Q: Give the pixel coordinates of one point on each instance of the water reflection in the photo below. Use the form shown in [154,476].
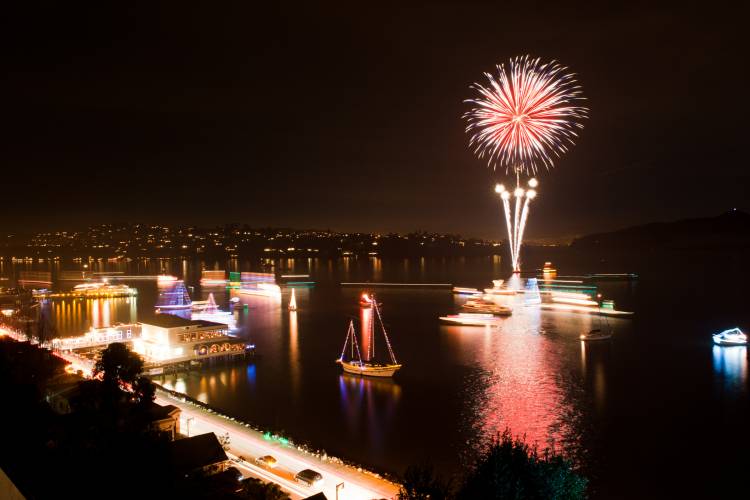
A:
[730,366]
[294,352]
[516,380]
[75,316]
[368,405]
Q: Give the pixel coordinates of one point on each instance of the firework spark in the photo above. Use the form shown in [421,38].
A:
[528,113]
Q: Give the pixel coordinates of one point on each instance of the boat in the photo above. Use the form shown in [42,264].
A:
[164,279]
[733,336]
[596,334]
[174,297]
[211,278]
[470,319]
[365,301]
[462,290]
[486,306]
[548,269]
[259,284]
[370,368]
[499,289]
[293,302]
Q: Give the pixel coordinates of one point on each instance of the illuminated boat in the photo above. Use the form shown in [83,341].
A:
[470,319]
[164,279]
[486,306]
[213,278]
[365,301]
[596,334]
[293,302]
[259,284]
[461,290]
[733,336]
[175,297]
[369,368]
[499,289]
[548,269]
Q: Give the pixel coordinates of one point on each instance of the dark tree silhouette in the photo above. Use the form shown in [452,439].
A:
[510,469]
[144,390]
[118,365]
[255,489]
[421,483]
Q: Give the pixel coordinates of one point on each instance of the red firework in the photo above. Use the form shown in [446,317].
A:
[526,114]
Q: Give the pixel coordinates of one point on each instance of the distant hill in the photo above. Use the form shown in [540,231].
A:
[730,230]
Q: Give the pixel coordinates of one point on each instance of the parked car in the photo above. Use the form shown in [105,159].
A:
[309,478]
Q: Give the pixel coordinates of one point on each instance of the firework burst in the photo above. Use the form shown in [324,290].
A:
[527,114]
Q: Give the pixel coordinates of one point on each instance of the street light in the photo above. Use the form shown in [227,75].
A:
[338,487]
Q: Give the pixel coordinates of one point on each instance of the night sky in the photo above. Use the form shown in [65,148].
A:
[348,117]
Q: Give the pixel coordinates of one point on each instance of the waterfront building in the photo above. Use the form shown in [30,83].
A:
[169,339]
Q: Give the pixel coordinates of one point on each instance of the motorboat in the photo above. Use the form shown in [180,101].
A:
[596,334]
[486,306]
[470,319]
[462,290]
[733,336]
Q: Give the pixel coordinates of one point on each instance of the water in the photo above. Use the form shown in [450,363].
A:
[640,414]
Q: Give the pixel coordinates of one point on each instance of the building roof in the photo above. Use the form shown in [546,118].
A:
[195,452]
[172,321]
[159,412]
[317,496]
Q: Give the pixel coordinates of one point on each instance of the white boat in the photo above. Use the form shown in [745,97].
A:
[370,368]
[462,290]
[470,319]
[596,334]
[733,336]
[293,302]
[486,306]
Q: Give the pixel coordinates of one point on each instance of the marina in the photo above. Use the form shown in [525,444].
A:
[292,370]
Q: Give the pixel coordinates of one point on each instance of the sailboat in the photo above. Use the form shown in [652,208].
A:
[356,364]
[174,297]
[293,302]
[598,333]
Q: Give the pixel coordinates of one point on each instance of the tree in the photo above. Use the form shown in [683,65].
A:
[224,441]
[118,365]
[510,469]
[421,483]
[144,390]
[255,489]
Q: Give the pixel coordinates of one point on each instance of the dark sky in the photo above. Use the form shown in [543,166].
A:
[349,116]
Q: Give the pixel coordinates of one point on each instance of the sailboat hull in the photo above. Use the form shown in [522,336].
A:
[368,369]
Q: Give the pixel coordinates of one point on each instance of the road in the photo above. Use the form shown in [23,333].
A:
[250,444]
